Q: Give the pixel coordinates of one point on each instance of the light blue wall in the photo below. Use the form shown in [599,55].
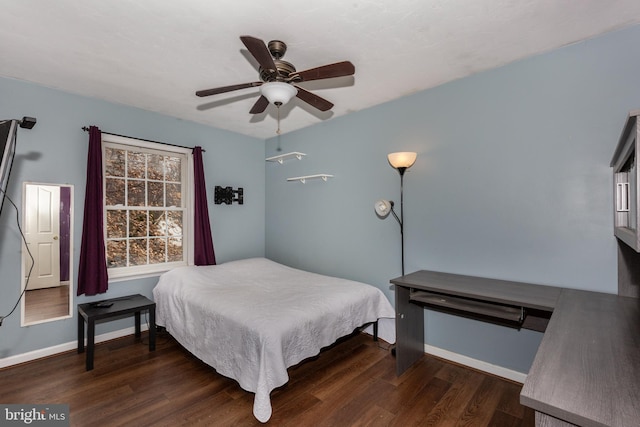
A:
[512,181]
[55,150]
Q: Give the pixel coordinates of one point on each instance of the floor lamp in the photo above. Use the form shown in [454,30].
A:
[401,161]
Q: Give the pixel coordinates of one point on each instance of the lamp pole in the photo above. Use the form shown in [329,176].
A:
[400,161]
[401,171]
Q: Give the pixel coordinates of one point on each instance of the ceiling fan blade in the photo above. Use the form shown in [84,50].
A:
[339,69]
[260,52]
[215,91]
[314,100]
[261,104]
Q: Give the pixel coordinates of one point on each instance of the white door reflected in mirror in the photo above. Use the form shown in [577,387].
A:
[41,230]
[47,256]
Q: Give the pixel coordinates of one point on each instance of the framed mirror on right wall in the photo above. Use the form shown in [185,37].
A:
[47,257]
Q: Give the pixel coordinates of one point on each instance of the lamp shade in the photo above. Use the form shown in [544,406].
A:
[278,93]
[383,208]
[402,159]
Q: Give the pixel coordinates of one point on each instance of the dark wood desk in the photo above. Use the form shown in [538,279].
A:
[92,313]
[516,304]
[587,369]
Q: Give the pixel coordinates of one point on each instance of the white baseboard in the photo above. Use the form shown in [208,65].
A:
[476,364]
[61,348]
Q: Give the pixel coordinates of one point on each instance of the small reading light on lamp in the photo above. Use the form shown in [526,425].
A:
[383,208]
[278,93]
[400,161]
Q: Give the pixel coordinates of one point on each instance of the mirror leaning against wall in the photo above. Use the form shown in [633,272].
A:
[47,268]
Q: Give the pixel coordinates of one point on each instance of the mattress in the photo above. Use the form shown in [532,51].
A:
[252,319]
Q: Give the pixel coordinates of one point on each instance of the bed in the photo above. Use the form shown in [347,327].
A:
[252,319]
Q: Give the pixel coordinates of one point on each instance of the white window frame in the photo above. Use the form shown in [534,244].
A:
[127,273]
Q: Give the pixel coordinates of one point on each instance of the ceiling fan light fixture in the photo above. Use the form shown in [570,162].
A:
[278,93]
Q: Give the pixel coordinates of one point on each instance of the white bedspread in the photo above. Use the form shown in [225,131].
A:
[252,319]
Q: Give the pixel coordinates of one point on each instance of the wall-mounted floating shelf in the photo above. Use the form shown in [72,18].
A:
[282,157]
[303,179]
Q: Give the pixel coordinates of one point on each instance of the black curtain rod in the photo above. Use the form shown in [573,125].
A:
[86,129]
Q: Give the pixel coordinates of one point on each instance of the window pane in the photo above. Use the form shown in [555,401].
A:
[114,162]
[174,197]
[156,193]
[116,253]
[157,251]
[144,207]
[136,193]
[174,168]
[174,223]
[116,224]
[157,223]
[174,249]
[114,192]
[138,252]
[155,167]
[136,164]
[137,223]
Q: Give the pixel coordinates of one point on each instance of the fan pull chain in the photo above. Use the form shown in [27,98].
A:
[278,130]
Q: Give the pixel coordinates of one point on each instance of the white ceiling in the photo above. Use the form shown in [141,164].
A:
[154,54]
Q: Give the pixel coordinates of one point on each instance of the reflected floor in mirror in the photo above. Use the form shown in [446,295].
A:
[46,303]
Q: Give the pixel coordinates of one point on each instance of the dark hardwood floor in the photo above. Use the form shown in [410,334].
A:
[353,383]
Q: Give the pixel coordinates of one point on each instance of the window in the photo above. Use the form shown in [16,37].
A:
[147,210]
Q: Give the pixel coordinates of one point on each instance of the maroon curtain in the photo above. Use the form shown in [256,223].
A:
[203,243]
[65,232]
[92,271]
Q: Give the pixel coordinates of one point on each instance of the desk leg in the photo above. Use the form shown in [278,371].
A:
[91,337]
[80,333]
[152,329]
[409,331]
[137,324]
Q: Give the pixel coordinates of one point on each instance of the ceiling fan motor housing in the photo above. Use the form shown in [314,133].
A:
[284,69]
[277,49]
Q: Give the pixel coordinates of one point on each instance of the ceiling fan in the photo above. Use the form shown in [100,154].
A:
[279,79]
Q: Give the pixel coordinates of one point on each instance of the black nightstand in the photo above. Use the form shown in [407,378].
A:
[110,308]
